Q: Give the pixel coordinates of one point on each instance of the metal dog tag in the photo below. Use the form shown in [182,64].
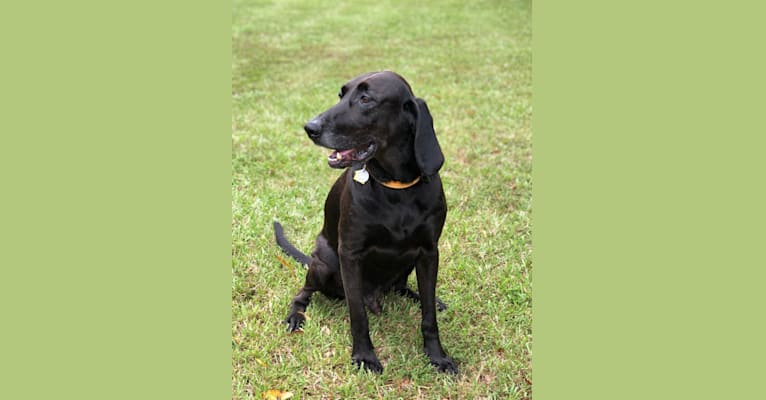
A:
[361,175]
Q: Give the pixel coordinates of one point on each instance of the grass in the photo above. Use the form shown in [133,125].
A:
[471,61]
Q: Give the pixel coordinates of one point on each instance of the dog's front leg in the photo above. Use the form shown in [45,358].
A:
[427,269]
[362,353]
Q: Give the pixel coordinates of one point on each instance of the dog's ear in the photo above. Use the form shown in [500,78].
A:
[428,154]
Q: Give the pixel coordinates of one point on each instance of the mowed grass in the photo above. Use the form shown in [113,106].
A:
[471,61]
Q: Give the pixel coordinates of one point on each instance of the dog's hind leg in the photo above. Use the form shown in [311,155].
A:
[315,279]
[403,290]
[322,269]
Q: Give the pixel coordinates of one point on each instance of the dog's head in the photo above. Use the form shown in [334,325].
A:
[377,116]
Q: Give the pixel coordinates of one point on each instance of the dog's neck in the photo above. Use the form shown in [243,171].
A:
[393,172]
[396,162]
[363,174]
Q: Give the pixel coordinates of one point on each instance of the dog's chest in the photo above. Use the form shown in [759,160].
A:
[400,228]
[393,224]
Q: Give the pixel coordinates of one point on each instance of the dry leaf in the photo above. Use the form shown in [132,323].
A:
[260,362]
[286,264]
[274,394]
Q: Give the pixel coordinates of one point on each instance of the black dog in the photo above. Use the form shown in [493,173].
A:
[383,216]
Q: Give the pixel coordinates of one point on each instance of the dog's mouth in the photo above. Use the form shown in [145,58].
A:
[344,158]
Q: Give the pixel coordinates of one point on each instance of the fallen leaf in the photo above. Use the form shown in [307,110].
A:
[286,264]
[274,394]
[260,362]
[404,384]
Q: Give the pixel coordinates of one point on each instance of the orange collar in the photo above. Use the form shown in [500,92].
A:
[362,176]
[399,185]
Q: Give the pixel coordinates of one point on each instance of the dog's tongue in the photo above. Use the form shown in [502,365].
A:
[345,155]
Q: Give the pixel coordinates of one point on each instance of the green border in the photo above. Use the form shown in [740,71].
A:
[648,200]
[116,200]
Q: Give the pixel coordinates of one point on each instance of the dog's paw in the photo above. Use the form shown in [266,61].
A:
[295,321]
[369,362]
[440,305]
[444,364]
[440,359]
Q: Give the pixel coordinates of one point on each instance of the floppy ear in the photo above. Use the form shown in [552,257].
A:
[428,154]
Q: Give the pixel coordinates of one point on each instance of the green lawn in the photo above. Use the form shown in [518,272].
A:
[472,63]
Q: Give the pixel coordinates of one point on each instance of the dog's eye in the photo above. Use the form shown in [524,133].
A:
[364,99]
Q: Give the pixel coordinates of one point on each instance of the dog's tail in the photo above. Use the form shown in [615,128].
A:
[287,247]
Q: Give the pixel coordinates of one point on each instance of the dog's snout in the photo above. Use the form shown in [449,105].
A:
[313,128]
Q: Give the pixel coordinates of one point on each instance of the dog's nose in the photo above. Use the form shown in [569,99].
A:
[313,128]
